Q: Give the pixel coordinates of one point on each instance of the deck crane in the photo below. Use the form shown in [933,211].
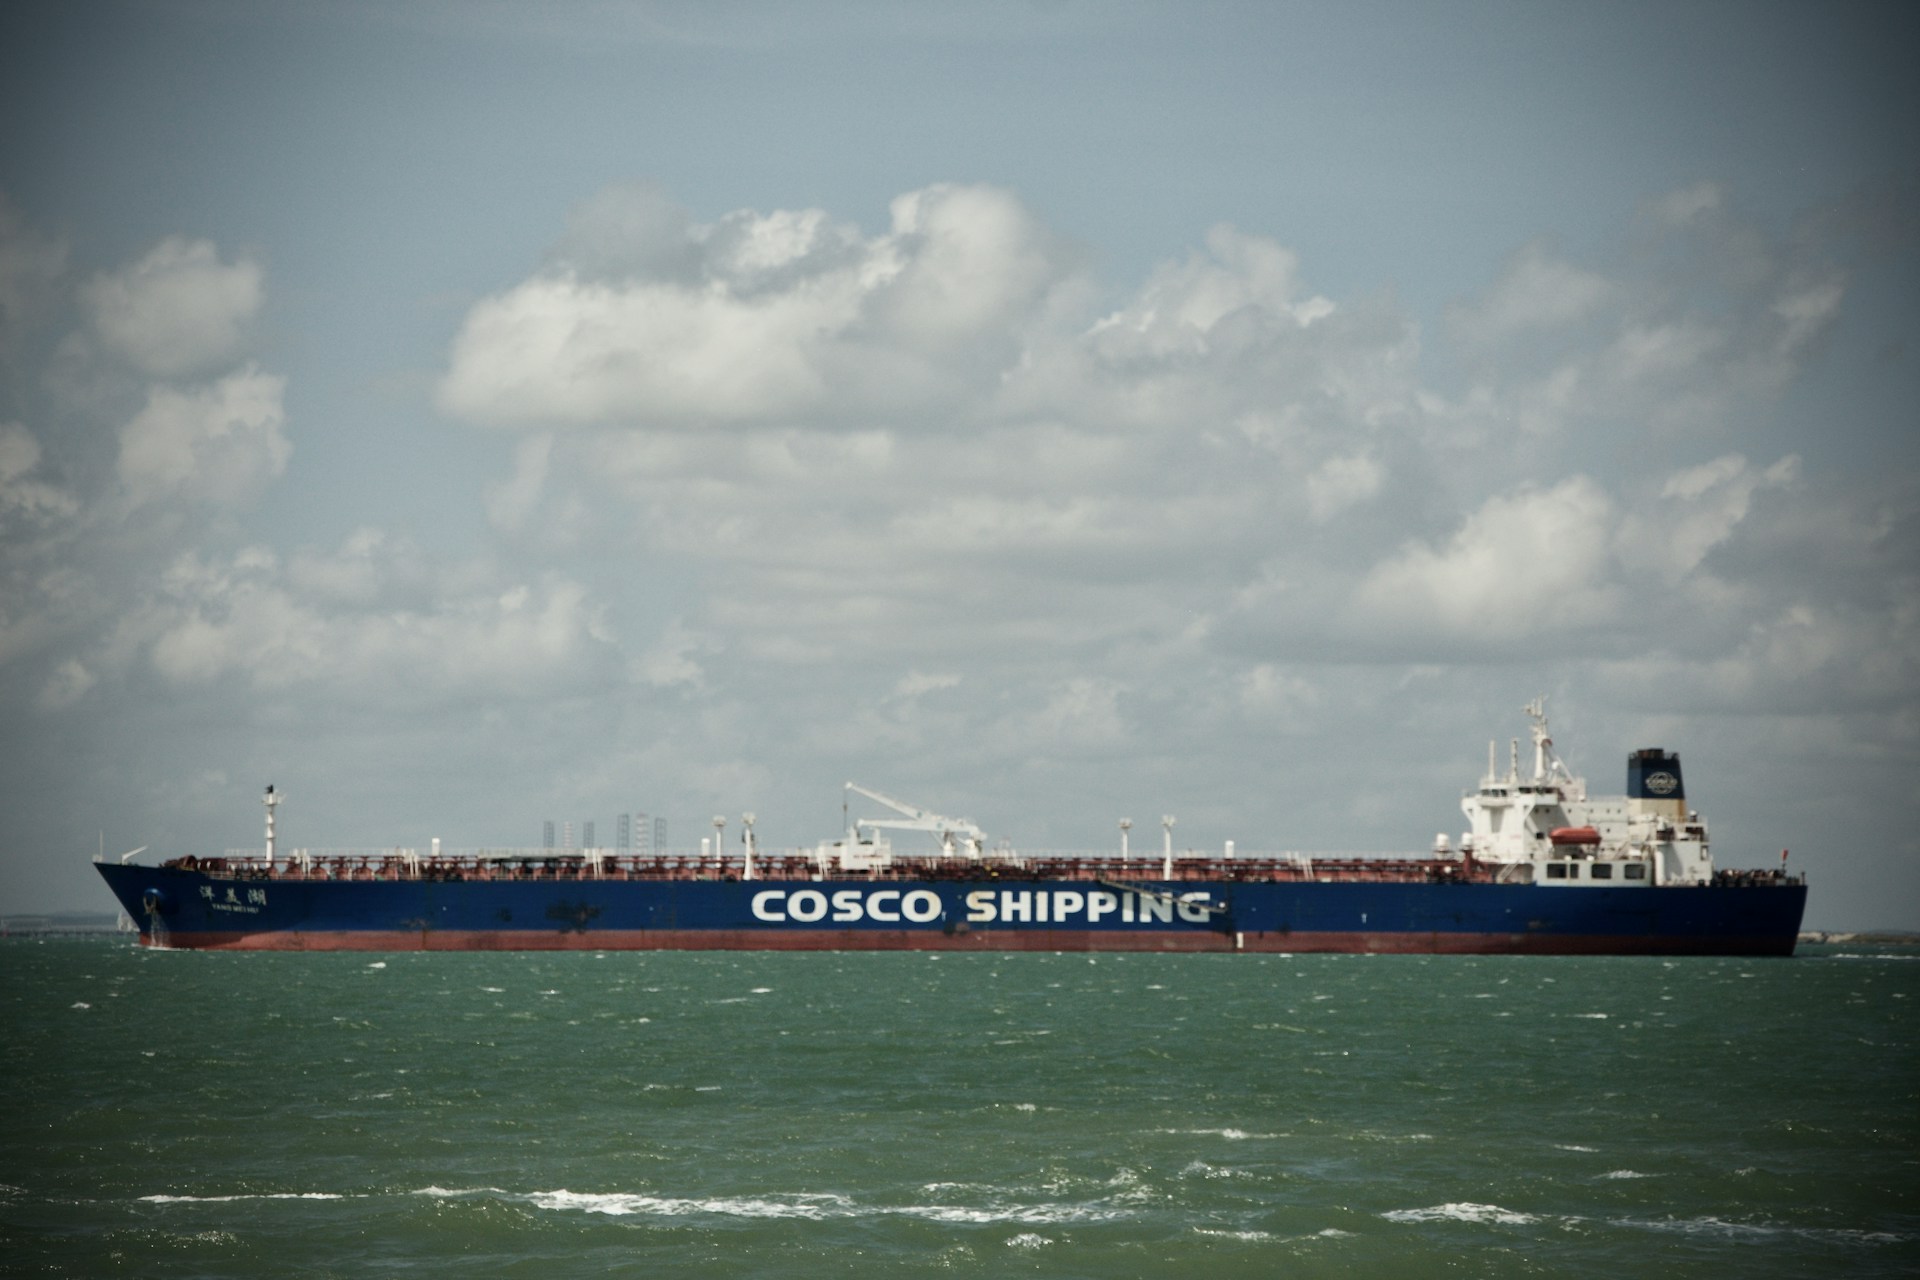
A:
[957,835]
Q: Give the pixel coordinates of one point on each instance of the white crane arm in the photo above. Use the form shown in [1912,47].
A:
[916,819]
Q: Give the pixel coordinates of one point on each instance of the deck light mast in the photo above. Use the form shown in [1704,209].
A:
[272,800]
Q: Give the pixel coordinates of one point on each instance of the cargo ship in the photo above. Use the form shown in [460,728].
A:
[1542,867]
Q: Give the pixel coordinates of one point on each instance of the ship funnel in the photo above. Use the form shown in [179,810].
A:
[1654,785]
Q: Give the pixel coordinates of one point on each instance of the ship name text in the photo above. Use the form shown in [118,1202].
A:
[983,906]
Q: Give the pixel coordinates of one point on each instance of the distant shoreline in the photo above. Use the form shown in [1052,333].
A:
[60,923]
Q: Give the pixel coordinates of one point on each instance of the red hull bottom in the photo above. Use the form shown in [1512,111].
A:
[1358,943]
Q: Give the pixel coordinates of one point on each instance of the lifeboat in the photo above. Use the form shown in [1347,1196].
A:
[1574,836]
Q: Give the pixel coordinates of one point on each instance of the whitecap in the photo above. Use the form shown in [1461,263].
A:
[1759,1231]
[1231,1135]
[1027,1240]
[761,991]
[1232,1235]
[1463,1211]
[1625,1173]
[267,1195]
[1042,1214]
[455,1193]
[807,1206]
[79,1004]
[620,1204]
[378,964]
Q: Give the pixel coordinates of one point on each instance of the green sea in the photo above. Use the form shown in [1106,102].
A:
[823,1114]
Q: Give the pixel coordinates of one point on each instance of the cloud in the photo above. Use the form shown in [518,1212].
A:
[1535,291]
[31,264]
[1687,204]
[646,318]
[25,500]
[1083,711]
[1700,508]
[1532,563]
[1700,325]
[247,618]
[219,444]
[671,661]
[511,502]
[1141,483]
[178,312]
[69,683]
[1338,483]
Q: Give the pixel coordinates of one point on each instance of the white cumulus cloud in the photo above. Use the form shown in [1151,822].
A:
[649,319]
[220,443]
[179,311]
[1525,565]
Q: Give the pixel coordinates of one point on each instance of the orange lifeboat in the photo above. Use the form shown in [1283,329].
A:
[1574,835]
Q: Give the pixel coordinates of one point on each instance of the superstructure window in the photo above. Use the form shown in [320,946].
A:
[1634,871]
[1556,871]
[1602,871]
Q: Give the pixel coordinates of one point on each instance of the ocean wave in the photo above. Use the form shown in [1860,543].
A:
[1715,1228]
[806,1206]
[258,1195]
[1462,1211]
[1231,1135]
[1765,1232]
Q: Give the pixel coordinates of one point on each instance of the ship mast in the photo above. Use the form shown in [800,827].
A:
[272,801]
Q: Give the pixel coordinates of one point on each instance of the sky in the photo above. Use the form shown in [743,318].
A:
[469,416]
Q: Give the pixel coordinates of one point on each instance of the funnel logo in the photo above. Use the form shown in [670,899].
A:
[1662,783]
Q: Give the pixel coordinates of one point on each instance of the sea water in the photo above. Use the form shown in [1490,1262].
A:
[725,1114]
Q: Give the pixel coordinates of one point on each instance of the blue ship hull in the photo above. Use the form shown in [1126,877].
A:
[194,908]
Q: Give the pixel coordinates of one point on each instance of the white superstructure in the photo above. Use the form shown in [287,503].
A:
[1545,829]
